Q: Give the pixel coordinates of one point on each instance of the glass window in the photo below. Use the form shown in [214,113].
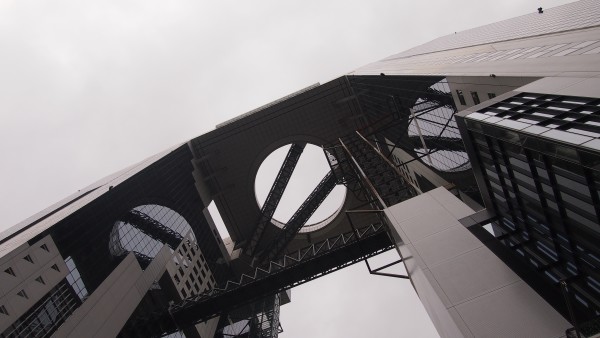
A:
[578,203]
[524,179]
[461,97]
[491,95]
[129,234]
[492,174]
[518,163]
[475,97]
[572,185]
[74,279]
[552,205]
[500,200]
[46,316]
[576,217]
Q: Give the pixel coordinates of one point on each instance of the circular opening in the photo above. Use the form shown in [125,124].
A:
[309,171]
[131,232]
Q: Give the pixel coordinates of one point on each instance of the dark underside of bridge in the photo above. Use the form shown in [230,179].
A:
[291,270]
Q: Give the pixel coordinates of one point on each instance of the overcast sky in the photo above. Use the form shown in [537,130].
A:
[89,87]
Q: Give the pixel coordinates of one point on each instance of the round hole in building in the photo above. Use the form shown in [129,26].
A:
[311,168]
[141,231]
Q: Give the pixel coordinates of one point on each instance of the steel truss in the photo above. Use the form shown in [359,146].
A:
[380,176]
[343,170]
[396,130]
[153,228]
[286,272]
[266,322]
[277,189]
[393,105]
[301,216]
[260,320]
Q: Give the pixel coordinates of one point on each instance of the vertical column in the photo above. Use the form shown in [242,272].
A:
[465,288]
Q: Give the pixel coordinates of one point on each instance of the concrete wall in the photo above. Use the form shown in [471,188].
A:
[483,85]
[42,255]
[106,311]
[465,288]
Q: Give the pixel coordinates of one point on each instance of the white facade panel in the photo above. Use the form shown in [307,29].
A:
[466,290]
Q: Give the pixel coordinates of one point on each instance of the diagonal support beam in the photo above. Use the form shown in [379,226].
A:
[153,228]
[301,216]
[277,189]
[421,109]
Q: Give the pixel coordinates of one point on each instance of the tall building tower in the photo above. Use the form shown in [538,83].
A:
[475,156]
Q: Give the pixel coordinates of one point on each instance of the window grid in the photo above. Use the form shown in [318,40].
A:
[46,316]
[421,106]
[548,237]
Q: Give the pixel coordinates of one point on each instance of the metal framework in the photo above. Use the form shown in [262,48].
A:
[152,228]
[288,271]
[377,271]
[277,189]
[415,115]
[259,319]
[436,95]
[301,216]
[431,132]
[144,260]
[266,321]
[384,180]
[343,170]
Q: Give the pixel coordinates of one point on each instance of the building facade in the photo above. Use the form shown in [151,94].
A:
[474,155]
[538,165]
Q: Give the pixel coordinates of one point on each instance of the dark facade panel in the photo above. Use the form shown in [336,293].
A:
[535,154]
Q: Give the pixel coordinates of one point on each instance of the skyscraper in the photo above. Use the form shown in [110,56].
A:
[139,250]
